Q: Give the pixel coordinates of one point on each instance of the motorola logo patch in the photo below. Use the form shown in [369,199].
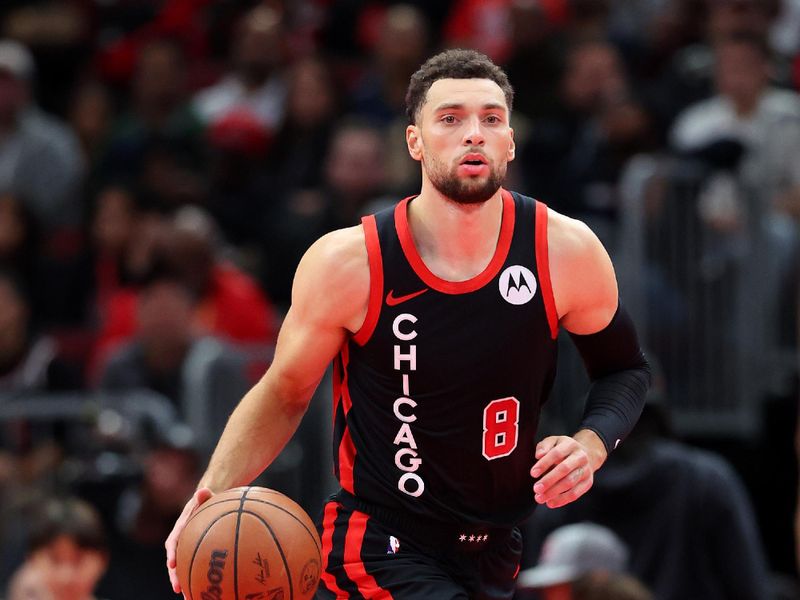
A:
[517,285]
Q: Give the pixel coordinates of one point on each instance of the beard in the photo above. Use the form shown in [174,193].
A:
[469,190]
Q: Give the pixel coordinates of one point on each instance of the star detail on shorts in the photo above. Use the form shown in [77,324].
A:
[462,538]
[472,538]
[485,537]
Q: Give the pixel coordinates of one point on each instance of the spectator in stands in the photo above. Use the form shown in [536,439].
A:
[115,223]
[229,303]
[232,306]
[570,552]
[480,24]
[609,586]
[682,512]
[575,158]
[754,17]
[159,137]
[242,183]
[758,195]
[534,63]
[354,185]
[299,150]
[144,514]
[400,47]
[29,362]
[39,155]
[583,561]
[19,240]
[90,116]
[255,82]
[765,120]
[67,554]
[202,376]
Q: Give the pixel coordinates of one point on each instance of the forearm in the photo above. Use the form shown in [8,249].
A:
[620,378]
[256,432]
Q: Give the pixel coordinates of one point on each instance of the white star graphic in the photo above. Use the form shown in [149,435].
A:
[485,537]
[472,538]
[462,538]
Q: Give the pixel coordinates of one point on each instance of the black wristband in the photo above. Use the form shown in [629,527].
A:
[620,376]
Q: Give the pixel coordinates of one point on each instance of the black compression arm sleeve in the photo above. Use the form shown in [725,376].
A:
[620,377]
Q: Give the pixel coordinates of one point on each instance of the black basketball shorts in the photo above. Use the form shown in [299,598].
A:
[373,553]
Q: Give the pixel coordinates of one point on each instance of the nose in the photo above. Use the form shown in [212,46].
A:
[473,136]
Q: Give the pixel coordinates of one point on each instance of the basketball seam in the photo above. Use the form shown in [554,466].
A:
[279,507]
[236,544]
[212,502]
[197,548]
[280,549]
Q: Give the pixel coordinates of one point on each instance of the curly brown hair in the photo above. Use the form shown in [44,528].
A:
[453,64]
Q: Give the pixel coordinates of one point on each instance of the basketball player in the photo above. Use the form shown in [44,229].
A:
[441,317]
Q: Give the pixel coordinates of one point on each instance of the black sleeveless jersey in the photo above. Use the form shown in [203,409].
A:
[437,396]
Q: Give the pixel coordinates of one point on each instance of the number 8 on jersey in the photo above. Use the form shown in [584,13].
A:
[500,427]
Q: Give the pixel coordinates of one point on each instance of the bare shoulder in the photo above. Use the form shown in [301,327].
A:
[569,237]
[584,284]
[332,279]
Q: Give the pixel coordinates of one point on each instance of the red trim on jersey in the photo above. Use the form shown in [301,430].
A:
[347,456]
[337,389]
[331,511]
[456,287]
[543,266]
[353,566]
[347,450]
[361,336]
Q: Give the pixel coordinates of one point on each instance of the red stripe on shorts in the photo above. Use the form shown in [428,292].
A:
[331,510]
[353,565]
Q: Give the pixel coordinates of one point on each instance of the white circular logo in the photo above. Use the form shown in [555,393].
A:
[517,285]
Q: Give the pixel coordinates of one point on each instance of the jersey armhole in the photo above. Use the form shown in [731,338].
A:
[543,267]
[362,336]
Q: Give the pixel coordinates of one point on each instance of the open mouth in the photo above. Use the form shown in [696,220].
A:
[474,159]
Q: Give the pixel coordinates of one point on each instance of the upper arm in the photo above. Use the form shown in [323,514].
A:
[329,301]
[584,284]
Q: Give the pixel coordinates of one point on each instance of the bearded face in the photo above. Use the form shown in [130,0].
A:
[463,139]
[471,180]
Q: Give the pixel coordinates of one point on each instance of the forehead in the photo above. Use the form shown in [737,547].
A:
[464,91]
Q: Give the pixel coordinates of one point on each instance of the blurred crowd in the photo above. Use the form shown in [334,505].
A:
[164,164]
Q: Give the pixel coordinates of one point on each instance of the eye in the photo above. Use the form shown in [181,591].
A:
[493,119]
[449,119]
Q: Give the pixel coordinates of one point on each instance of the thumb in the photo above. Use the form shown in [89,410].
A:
[202,494]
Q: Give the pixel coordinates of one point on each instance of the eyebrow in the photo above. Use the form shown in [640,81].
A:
[460,106]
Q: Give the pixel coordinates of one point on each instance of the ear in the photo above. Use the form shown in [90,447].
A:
[512,148]
[414,142]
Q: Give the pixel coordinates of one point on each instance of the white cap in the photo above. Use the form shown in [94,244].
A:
[572,551]
[16,59]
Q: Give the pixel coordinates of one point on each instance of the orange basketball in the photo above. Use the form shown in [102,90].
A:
[249,543]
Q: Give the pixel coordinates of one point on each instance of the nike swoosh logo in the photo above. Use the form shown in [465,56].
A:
[392,300]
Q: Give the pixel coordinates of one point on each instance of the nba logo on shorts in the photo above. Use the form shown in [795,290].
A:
[394,545]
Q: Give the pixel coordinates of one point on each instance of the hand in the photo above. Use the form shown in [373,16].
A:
[199,497]
[566,466]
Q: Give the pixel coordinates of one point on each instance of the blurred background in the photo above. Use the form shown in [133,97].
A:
[165,163]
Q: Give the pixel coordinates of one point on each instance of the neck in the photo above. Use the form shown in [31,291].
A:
[456,241]
[746,105]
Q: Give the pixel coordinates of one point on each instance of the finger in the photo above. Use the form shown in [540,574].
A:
[199,497]
[571,495]
[553,455]
[173,579]
[545,445]
[563,469]
[571,480]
